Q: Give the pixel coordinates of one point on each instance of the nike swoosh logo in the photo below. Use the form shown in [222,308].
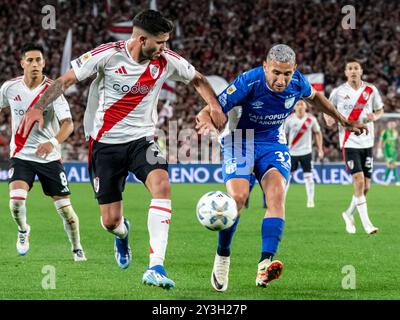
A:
[217,284]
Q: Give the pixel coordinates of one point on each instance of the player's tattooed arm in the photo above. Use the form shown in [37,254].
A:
[320,102]
[51,94]
[56,89]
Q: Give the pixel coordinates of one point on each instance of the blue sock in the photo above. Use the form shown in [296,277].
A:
[271,233]
[225,239]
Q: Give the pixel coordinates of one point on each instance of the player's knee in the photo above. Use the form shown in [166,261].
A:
[17,200]
[161,190]
[110,223]
[240,198]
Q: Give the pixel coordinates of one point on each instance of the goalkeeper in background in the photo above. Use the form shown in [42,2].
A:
[388,143]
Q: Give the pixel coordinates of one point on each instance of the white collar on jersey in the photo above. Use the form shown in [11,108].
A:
[361,85]
[23,82]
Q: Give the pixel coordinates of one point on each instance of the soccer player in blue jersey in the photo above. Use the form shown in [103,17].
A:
[257,103]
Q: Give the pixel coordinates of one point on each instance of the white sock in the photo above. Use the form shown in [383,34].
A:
[363,211]
[159,218]
[18,208]
[309,183]
[352,207]
[120,231]
[70,220]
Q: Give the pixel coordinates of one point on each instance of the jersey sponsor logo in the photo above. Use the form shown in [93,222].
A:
[10,173]
[289,102]
[230,166]
[154,71]
[136,88]
[231,89]
[96,184]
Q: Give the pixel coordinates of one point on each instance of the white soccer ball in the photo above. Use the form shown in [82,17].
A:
[216,210]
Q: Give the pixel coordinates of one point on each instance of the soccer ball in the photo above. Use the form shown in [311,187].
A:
[216,210]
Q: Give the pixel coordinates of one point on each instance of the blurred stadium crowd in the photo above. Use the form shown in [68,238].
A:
[219,37]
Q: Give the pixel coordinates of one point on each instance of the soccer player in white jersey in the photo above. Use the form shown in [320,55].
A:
[300,127]
[120,119]
[39,152]
[357,100]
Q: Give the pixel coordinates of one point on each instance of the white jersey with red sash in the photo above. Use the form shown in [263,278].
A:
[299,132]
[355,105]
[122,100]
[16,95]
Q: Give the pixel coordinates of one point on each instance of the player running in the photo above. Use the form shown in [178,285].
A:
[300,127]
[39,152]
[120,120]
[357,100]
[388,142]
[254,140]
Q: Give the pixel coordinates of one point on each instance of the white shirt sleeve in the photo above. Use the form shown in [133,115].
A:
[377,102]
[181,69]
[89,64]
[315,125]
[334,97]
[3,99]
[61,108]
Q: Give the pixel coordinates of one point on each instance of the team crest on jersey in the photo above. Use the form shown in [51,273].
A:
[230,166]
[231,89]
[365,95]
[154,70]
[10,173]
[350,164]
[289,102]
[96,184]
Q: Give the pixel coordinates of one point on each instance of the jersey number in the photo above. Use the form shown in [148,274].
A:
[281,156]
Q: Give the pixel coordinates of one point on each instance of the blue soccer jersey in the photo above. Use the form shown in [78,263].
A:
[251,105]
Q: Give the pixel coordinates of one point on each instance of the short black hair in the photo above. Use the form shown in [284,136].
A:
[353,59]
[31,47]
[153,22]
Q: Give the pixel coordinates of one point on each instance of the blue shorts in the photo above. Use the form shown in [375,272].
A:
[240,159]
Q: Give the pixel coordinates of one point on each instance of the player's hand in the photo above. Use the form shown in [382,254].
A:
[31,116]
[356,127]
[44,149]
[206,128]
[371,117]
[218,117]
[320,154]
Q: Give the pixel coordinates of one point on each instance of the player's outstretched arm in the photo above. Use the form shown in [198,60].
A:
[321,103]
[52,93]
[203,87]
[204,124]
[67,127]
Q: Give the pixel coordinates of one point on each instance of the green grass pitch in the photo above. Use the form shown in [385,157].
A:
[315,249]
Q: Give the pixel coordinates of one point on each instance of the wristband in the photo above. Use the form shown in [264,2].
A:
[54,142]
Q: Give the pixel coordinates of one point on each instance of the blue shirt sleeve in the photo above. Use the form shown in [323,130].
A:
[234,94]
[306,89]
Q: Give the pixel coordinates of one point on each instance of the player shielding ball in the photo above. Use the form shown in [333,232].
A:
[254,141]
[120,120]
[357,100]
[300,127]
[38,153]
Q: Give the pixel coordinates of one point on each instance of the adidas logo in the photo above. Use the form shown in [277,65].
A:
[168,221]
[347,97]
[18,98]
[66,189]
[121,70]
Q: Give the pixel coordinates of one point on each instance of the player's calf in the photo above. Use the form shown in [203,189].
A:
[71,227]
